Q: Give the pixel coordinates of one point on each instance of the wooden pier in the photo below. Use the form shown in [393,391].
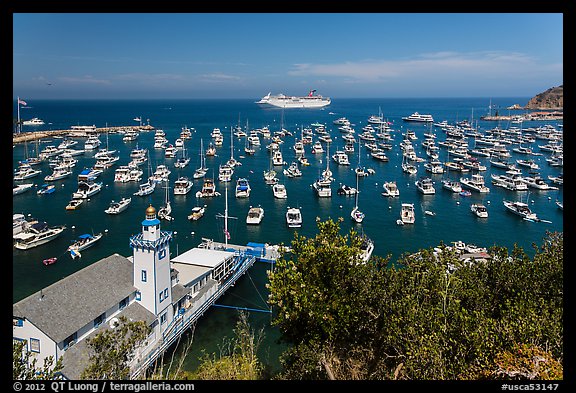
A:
[34,135]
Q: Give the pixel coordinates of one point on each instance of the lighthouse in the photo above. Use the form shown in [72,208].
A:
[151,258]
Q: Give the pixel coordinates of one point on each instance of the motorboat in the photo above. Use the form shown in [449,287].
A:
[366,248]
[293,170]
[146,188]
[255,215]
[475,183]
[118,207]
[346,190]
[37,234]
[434,166]
[46,189]
[451,185]
[122,174]
[293,217]
[83,242]
[89,174]
[417,117]
[50,261]
[87,189]
[479,210]
[323,188]
[182,185]
[341,158]
[425,186]
[19,223]
[196,213]
[538,183]
[391,189]
[208,189]
[225,173]
[59,172]
[407,214]
[25,171]
[242,188]
[33,122]
[512,181]
[279,191]
[20,188]
[74,204]
[521,209]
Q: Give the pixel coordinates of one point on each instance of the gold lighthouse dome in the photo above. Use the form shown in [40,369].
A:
[150,212]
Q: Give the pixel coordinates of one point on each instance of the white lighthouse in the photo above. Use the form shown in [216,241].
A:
[151,252]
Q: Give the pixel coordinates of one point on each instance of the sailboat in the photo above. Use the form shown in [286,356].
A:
[181,162]
[356,214]
[201,171]
[248,149]
[164,211]
[360,169]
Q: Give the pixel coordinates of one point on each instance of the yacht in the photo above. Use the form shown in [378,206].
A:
[279,191]
[33,122]
[87,189]
[346,190]
[317,147]
[475,183]
[425,186]
[521,209]
[283,101]
[182,185]
[391,189]
[293,170]
[37,234]
[512,181]
[26,172]
[417,117]
[255,215]
[161,174]
[122,174]
[407,167]
[46,189]
[225,173]
[84,241]
[434,166]
[366,248]
[479,209]
[20,188]
[407,215]
[294,217]
[74,204]
[118,207]
[538,183]
[196,213]
[242,188]
[208,189]
[58,173]
[277,158]
[92,143]
[323,188]
[341,158]
[452,185]
[146,188]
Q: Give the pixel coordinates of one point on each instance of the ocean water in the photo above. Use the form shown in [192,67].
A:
[453,220]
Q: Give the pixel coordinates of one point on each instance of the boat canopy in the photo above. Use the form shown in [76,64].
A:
[86,236]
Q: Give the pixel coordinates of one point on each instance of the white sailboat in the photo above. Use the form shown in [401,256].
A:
[201,171]
[356,214]
[164,211]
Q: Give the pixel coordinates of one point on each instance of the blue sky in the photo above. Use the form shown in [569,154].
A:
[163,55]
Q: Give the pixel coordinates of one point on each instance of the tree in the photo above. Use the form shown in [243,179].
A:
[113,349]
[428,316]
[24,364]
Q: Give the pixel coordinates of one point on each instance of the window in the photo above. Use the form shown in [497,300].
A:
[70,340]
[166,293]
[17,322]
[143,275]
[138,296]
[98,321]
[161,296]
[162,318]
[123,303]
[34,345]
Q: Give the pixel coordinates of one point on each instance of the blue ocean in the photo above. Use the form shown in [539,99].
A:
[453,220]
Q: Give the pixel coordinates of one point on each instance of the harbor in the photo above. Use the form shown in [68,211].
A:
[444,216]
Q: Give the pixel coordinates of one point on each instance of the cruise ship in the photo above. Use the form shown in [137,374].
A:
[418,117]
[283,101]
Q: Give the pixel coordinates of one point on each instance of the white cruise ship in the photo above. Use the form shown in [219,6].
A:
[284,101]
[418,117]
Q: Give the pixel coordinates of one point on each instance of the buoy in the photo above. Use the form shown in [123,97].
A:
[389,207]
[73,226]
[192,233]
[105,230]
[175,232]
[488,202]
[340,206]
[457,202]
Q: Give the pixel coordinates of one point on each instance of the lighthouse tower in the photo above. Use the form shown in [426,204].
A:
[151,254]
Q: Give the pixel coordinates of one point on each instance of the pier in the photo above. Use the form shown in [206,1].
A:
[75,133]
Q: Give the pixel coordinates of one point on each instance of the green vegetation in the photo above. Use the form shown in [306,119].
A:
[432,319]
[113,349]
[24,364]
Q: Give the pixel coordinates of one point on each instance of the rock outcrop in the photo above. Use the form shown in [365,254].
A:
[552,98]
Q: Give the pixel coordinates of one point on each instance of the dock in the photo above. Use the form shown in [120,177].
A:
[75,133]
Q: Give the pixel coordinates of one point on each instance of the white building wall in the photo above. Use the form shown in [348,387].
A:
[29,331]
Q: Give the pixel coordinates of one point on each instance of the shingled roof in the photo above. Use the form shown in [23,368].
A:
[64,307]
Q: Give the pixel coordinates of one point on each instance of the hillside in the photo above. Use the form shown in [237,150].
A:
[552,98]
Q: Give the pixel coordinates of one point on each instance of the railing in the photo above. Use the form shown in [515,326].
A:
[182,322]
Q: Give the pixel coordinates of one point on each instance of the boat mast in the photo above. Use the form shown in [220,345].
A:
[226,234]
